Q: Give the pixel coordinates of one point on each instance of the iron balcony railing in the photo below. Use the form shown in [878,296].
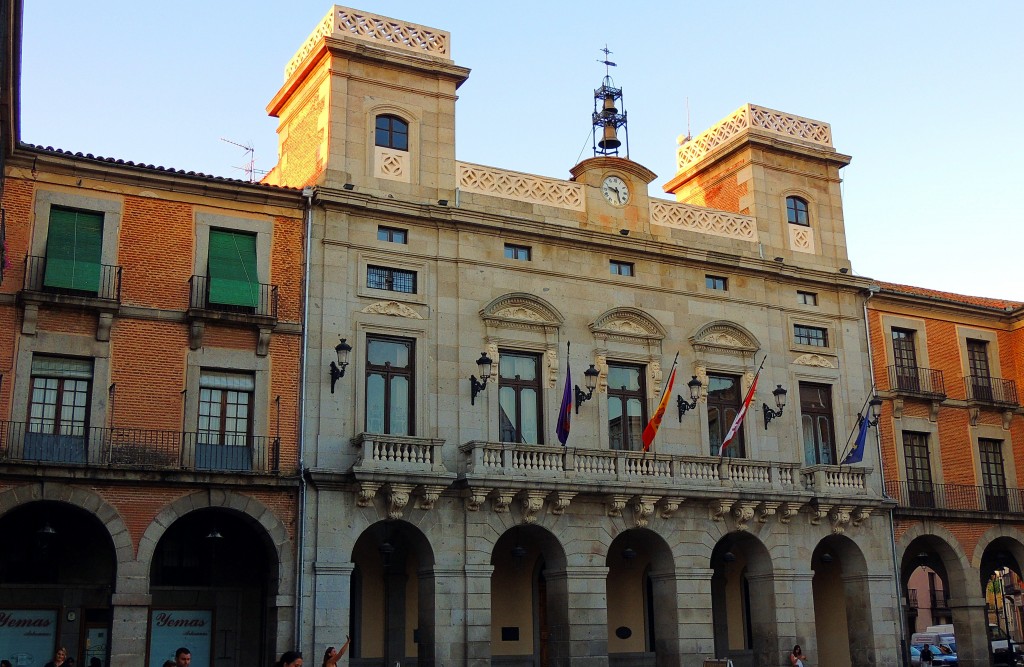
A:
[964,497]
[912,598]
[996,391]
[264,303]
[916,380]
[938,599]
[138,448]
[109,287]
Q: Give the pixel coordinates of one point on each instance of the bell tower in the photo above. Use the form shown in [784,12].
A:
[607,119]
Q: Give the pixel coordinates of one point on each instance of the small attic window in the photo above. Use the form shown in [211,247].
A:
[796,211]
[392,132]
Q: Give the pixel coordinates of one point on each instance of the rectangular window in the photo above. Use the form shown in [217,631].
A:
[626,406]
[58,411]
[816,423]
[520,252]
[813,336]
[724,400]
[622,268]
[905,359]
[74,247]
[231,268]
[716,283]
[393,280]
[807,298]
[389,385]
[977,360]
[519,398]
[920,492]
[993,476]
[392,234]
[224,430]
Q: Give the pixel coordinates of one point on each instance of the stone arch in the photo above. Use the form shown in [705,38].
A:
[993,534]
[259,514]
[630,324]
[940,536]
[520,310]
[841,592]
[723,336]
[84,499]
[744,571]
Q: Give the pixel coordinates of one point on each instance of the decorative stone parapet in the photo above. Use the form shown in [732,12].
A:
[342,21]
[704,220]
[749,117]
[397,453]
[506,184]
[837,480]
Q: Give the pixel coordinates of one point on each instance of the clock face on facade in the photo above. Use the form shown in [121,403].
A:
[615,191]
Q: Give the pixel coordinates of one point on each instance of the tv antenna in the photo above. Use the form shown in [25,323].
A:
[250,166]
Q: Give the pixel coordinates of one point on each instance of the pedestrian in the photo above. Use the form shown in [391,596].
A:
[5,663]
[59,658]
[169,663]
[926,655]
[797,657]
[182,657]
[294,658]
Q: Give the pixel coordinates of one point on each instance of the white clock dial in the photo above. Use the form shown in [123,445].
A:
[615,191]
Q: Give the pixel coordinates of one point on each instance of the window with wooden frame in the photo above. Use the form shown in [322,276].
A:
[519,398]
[920,491]
[807,335]
[389,385]
[724,400]
[225,408]
[627,403]
[816,423]
[993,474]
[391,132]
[796,211]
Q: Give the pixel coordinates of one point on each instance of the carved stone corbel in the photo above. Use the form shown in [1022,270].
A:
[1007,419]
[933,410]
[743,512]
[787,511]
[818,513]
[29,319]
[263,342]
[718,508]
[766,510]
[532,503]
[398,498]
[367,490]
[475,499]
[429,493]
[669,506]
[643,508]
[551,356]
[103,325]
[560,501]
[615,504]
[195,334]
[973,414]
[860,515]
[897,408]
[839,516]
[502,498]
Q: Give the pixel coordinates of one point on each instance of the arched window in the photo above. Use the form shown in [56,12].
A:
[392,132]
[796,211]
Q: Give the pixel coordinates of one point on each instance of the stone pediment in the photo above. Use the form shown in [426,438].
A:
[628,324]
[521,311]
[815,360]
[393,308]
[725,337]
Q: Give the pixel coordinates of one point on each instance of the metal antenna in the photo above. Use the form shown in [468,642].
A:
[250,167]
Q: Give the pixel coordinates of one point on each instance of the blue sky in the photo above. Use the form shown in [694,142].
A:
[926,97]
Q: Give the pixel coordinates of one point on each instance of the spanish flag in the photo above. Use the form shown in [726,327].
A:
[651,429]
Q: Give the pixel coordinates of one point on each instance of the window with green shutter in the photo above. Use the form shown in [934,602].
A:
[74,246]
[232,269]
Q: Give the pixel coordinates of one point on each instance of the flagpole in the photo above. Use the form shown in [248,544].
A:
[856,428]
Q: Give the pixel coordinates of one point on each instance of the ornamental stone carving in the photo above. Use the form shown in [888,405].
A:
[532,503]
[839,517]
[615,503]
[502,499]
[743,512]
[815,360]
[724,337]
[860,515]
[560,501]
[669,506]
[429,495]
[519,313]
[519,310]
[475,499]
[643,508]
[367,490]
[629,325]
[786,512]
[818,513]
[718,508]
[398,498]
[766,510]
[392,308]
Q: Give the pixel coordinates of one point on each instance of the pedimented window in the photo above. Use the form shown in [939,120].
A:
[628,325]
[521,311]
[724,337]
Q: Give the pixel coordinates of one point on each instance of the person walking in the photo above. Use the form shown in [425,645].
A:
[926,655]
[331,656]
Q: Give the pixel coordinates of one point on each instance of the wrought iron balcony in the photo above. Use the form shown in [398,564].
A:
[960,497]
[912,598]
[917,381]
[991,391]
[263,304]
[107,284]
[938,599]
[133,448]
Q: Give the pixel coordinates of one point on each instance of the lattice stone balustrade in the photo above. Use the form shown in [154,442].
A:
[483,180]
[342,21]
[704,220]
[748,117]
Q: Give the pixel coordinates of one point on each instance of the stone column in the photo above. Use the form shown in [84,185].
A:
[332,599]
[444,623]
[478,614]
[128,632]
[872,604]
[695,632]
[578,604]
[971,623]
[792,619]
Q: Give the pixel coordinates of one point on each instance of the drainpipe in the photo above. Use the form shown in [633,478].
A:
[873,290]
[300,541]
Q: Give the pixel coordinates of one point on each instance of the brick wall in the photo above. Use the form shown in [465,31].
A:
[156,251]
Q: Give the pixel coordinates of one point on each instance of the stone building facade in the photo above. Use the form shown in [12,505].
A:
[445,523]
[949,370]
[150,329]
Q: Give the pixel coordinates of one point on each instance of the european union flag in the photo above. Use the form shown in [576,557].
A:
[856,454]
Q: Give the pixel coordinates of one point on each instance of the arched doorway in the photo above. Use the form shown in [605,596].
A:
[392,608]
[213,578]
[642,607]
[841,601]
[57,572]
[742,573]
[1001,586]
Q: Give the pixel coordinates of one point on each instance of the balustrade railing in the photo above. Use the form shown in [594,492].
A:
[916,380]
[996,391]
[117,447]
[260,301]
[963,497]
[101,281]
[403,453]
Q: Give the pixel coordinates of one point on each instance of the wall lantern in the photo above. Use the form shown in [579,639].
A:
[483,365]
[338,369]
[874,411]
[590,381]
[780,402]
[681,403]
